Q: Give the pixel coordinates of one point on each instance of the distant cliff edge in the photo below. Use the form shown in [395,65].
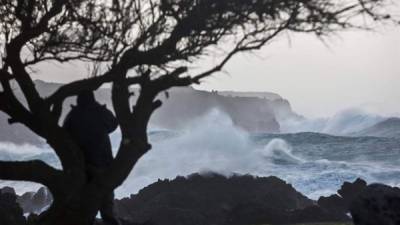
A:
[251,111]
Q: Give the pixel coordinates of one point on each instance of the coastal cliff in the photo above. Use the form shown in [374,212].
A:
[252,111]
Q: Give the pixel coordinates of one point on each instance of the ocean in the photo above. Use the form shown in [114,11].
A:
[316,164]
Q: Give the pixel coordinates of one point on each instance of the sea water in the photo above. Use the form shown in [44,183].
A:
[316,164]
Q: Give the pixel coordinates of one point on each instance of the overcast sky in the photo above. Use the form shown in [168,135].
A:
[355,70]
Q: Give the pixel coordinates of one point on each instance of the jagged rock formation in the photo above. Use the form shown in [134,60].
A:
[339,204]
[10,212]
[349,191]
[239,200]
[260,214]
[377,204]
[256,112]
[334,203]
[31,202]
[35,202]
[215,199]
[374,204]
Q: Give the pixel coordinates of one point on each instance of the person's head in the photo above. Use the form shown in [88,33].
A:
[85,98]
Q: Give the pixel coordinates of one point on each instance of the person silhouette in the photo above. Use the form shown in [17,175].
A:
[90,124]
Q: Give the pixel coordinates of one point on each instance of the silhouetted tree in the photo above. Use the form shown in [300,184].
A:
[147,43]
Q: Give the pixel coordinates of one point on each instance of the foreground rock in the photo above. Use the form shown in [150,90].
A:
[239,200]
[374,204]
[35,202]
[339,204]
[377,204]
[215,199]
[10,212]
[350,191]
[31,202]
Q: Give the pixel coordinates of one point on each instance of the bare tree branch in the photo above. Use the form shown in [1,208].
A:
[34,171]
[159,40]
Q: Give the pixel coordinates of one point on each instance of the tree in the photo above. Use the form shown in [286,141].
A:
[150,44]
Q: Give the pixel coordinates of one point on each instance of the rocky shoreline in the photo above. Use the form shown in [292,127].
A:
[212,199]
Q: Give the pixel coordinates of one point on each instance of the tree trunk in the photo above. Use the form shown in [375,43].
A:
[61,214]
[79,208]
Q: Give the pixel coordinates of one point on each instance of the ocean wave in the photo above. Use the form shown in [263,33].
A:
[315,164]
[345,122]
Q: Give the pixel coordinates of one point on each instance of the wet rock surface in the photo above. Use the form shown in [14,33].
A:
[35,202]
[377,204]
[239,200]
[31,202]
[339,204]
[10,212]
[349,191]
[215,199]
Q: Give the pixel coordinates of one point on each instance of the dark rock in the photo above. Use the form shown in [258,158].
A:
[42,198]
[180,216]
[377,204]
[35,202]
[215,199]
[316,213]
[9,190]
[25,201]
[334,203]
[260,214]
[31,202]
[121,222]
[256,213]
[10,212]
[339,205]
[349,191]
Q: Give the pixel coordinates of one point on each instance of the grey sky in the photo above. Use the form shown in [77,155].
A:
[357,69]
